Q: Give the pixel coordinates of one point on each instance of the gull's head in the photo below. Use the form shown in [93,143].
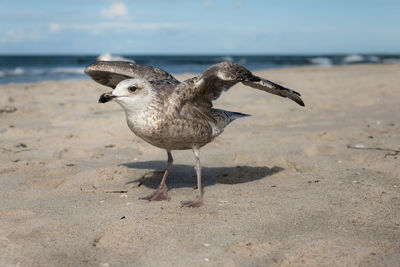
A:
[131,94]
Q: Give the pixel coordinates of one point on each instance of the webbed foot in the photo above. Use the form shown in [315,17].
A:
[160,194]
[197,202]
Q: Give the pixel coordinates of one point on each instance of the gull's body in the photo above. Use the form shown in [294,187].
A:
[172,115]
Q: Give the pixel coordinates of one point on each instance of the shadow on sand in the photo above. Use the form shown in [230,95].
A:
[184,175]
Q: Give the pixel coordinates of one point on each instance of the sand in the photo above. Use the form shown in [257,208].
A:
[288,186]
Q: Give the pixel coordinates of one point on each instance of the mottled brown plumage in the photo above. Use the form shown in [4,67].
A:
[110,73]
[173,115]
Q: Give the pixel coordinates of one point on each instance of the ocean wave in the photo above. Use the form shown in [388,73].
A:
[373,59]
[391,60]
[20,71]
[242,61]
[15,72]
[227,58]
[320,61]
[355,58]
[68,70]
[39,68]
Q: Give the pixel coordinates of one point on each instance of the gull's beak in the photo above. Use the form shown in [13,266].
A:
[104,98]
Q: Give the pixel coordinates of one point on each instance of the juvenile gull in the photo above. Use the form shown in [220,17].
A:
[175,115]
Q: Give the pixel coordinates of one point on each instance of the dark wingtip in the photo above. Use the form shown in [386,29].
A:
[298,100]
[296,97]
[296,93]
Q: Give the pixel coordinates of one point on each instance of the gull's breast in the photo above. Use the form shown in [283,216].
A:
[170,131]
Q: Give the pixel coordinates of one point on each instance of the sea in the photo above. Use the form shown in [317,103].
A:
[34,68]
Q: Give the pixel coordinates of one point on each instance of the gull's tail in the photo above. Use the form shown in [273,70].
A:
[235,115]
[223,118]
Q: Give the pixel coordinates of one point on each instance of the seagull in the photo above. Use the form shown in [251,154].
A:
[175,115]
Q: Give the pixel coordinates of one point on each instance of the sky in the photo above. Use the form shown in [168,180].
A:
[199,27]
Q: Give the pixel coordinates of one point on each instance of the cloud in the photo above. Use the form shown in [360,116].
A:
[208,4]
[116,10]
[55,27]
[114,27]
[19,35]
[238,4]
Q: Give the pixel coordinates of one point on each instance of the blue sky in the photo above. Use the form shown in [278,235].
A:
[199,27]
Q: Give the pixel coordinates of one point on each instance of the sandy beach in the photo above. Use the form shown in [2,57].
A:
[288,186]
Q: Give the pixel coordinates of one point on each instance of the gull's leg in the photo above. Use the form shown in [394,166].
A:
[199,196]
[161,192]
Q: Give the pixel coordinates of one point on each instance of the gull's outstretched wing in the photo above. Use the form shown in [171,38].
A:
[110,73]
[201,90]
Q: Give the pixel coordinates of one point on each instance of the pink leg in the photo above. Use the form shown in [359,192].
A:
[198,201]
[161,192]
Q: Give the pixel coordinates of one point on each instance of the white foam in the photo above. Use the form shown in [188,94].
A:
[355,58]
[108,57]
[36,74]
[321,61]
[37,71]
[242,61]
[228,58]
[67,70]
[17,71]
[373,59]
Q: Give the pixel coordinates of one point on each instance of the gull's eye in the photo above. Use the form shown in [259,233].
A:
[132,88]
